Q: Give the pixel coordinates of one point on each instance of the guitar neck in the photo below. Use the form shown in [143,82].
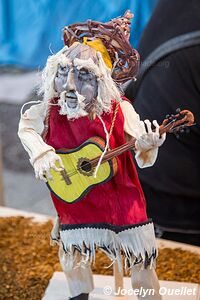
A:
[121,149]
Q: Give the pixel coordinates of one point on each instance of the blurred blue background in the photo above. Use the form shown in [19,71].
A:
[29,29]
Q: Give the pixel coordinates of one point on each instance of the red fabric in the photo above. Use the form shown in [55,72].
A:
[119,201]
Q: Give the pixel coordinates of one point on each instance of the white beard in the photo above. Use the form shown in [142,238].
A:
[72,113]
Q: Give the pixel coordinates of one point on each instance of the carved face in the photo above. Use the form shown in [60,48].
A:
[78,76]
[78,83]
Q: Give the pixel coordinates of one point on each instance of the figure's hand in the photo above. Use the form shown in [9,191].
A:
[43,164]
[151,138]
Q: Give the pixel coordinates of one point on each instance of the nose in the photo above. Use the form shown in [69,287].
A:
[69,85]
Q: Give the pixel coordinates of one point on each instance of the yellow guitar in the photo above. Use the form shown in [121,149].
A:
[75,181]
[77,178]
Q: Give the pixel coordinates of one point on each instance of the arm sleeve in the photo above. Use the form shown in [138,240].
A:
[31,126]
[134,127]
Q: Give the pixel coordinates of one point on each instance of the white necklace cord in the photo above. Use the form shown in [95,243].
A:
[106,146]
[29,102]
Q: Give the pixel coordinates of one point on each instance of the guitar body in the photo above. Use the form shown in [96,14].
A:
[77,179]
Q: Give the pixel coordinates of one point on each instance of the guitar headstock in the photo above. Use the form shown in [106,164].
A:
[179,122]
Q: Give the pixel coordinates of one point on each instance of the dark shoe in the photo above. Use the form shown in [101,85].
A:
[80,297]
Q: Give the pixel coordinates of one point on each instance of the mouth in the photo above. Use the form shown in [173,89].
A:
[71,100]
[71,95]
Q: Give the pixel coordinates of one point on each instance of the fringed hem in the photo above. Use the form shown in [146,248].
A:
[138,244]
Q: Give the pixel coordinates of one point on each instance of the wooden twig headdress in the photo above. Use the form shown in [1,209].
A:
[114,36]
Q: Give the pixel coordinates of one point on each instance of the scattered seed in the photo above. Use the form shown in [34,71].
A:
[27,261]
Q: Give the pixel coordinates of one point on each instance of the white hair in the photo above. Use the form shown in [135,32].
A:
[49,73]
[107,89]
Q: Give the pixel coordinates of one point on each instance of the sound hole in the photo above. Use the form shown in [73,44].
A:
[86,166]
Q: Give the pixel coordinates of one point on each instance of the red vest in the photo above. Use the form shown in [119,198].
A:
[119,201]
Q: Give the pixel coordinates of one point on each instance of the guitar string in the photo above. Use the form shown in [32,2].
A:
[106,145]
[75,171]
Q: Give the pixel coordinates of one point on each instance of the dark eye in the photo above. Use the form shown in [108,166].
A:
[63,70]
[85,74]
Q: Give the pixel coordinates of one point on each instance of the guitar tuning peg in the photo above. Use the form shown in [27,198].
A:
[178,110]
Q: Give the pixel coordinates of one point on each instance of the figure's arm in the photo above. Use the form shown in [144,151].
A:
[31,126]
[147,141]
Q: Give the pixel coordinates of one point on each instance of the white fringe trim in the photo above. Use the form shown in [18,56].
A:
[138,245]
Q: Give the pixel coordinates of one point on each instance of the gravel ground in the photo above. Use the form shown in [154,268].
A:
[28,261]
